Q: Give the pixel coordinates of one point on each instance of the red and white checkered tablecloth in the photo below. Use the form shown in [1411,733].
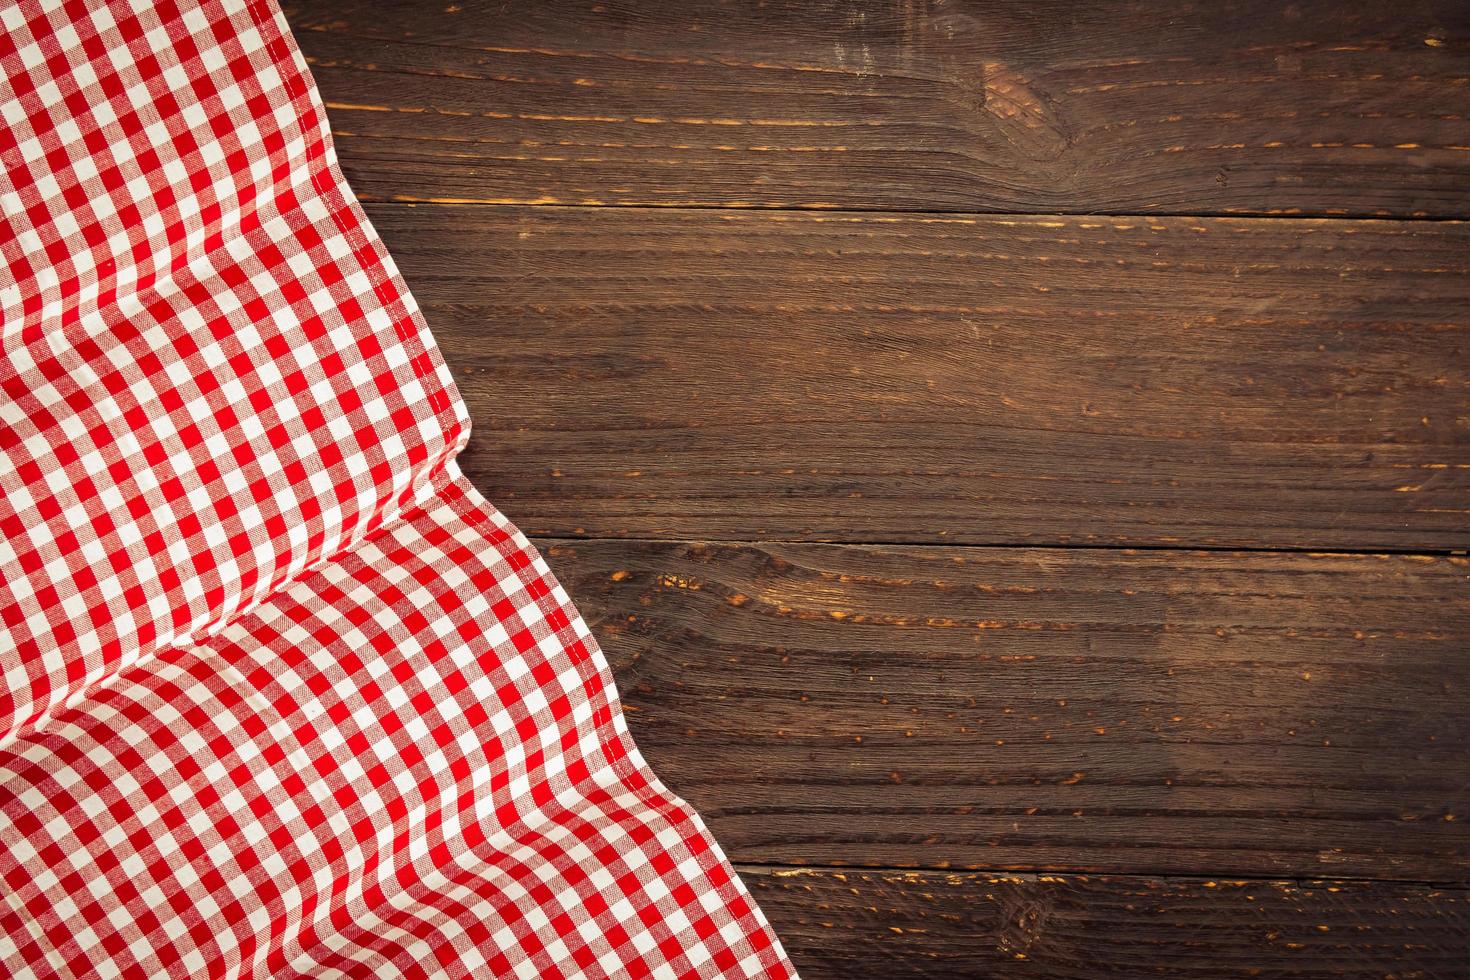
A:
[282,693]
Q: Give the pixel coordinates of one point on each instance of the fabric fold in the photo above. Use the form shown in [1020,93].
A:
[282,693]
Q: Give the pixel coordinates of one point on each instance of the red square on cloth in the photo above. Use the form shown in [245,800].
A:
[280,692]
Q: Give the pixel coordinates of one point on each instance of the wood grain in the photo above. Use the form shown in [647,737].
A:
[928,924]
[1121,106]
[1038,380]
[1033,709]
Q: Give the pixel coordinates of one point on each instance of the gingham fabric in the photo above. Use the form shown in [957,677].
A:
[282,694]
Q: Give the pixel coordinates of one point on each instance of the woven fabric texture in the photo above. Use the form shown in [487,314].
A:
[280,693]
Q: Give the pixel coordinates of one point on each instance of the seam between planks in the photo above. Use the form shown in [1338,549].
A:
[405,200]
[763,867]
[471,204]
[553,539]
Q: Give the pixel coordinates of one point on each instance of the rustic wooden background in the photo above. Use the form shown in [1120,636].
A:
[1016,453]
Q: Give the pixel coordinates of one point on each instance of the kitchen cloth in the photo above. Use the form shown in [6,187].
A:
[282,694]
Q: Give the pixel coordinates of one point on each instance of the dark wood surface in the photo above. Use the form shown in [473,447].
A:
[1251,106]
[1018,591]
[1039,380]
[1040,709]
[844,924]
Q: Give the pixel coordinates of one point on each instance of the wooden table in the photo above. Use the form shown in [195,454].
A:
[1015,454]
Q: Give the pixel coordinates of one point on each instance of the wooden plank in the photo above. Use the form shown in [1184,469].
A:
[1166,381]
[1034,709]
[1121,106]
[928,924]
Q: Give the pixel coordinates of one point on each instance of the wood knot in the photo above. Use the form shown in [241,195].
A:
[1023,113]
[1025,919]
